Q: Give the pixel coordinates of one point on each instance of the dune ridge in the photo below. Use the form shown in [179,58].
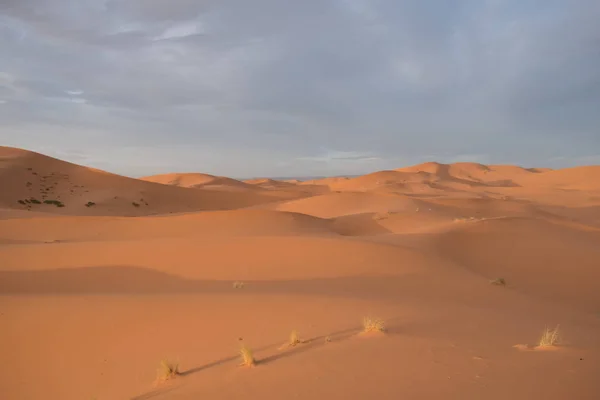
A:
[29,178]
[198,180]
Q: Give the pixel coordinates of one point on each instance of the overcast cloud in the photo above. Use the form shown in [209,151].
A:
[313,87]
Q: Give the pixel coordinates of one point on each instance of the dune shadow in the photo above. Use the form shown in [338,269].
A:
[98,280]
[300,348]
[335,337]
[142,281]
[221,361]
[192,371]
[310,344]
[134,280]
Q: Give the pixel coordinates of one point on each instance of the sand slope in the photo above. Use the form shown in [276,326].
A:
[197,180]
[542,257]
[28,178]
[93,298]
[339,204]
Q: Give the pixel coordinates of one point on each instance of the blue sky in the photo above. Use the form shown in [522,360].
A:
[314,87]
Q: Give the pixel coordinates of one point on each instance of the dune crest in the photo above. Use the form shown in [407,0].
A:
[198,180]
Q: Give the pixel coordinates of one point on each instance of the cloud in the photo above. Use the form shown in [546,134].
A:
[272,87]
[335,156]
[181,30]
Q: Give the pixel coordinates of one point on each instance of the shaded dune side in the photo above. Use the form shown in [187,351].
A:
[441,214]
[99,280]
[577,178]
[389,180]
[25,175]
[487,207]
[339,204]
[210,223]
[468,174]
[123,279]
[430,178]
[362,213]
[537,256]
[270,183]
[366,224]
[198,180]
[232,258]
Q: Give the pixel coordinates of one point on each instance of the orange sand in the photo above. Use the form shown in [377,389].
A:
[93,297]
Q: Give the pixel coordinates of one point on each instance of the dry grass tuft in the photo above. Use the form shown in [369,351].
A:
[168,370]
[294,338]
[247,356]
[238,285]
[373,325]
[498,282]
[550,337]
[467,219]
[381,215]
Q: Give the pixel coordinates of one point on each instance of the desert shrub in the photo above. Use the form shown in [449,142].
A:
[57,203]
[294,338]
[238,285]
[373,325]
[168,370]
[247,356]
[498,282]
[550,337]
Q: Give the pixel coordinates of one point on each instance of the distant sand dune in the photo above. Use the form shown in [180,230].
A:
[197,180]
[338,204]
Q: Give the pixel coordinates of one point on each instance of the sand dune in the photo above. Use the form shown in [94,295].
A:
[290,185]
[339,204]
[197,180]
[470,174]
[431,179]
[382,179]
[29,178]
[271,183]
[93,297]
[231,258]
[549,259]
[217,223]
[576,178]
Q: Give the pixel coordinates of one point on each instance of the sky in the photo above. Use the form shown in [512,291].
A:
[298,88]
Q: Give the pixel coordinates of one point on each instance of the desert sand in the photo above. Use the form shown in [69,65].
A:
[102,277]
